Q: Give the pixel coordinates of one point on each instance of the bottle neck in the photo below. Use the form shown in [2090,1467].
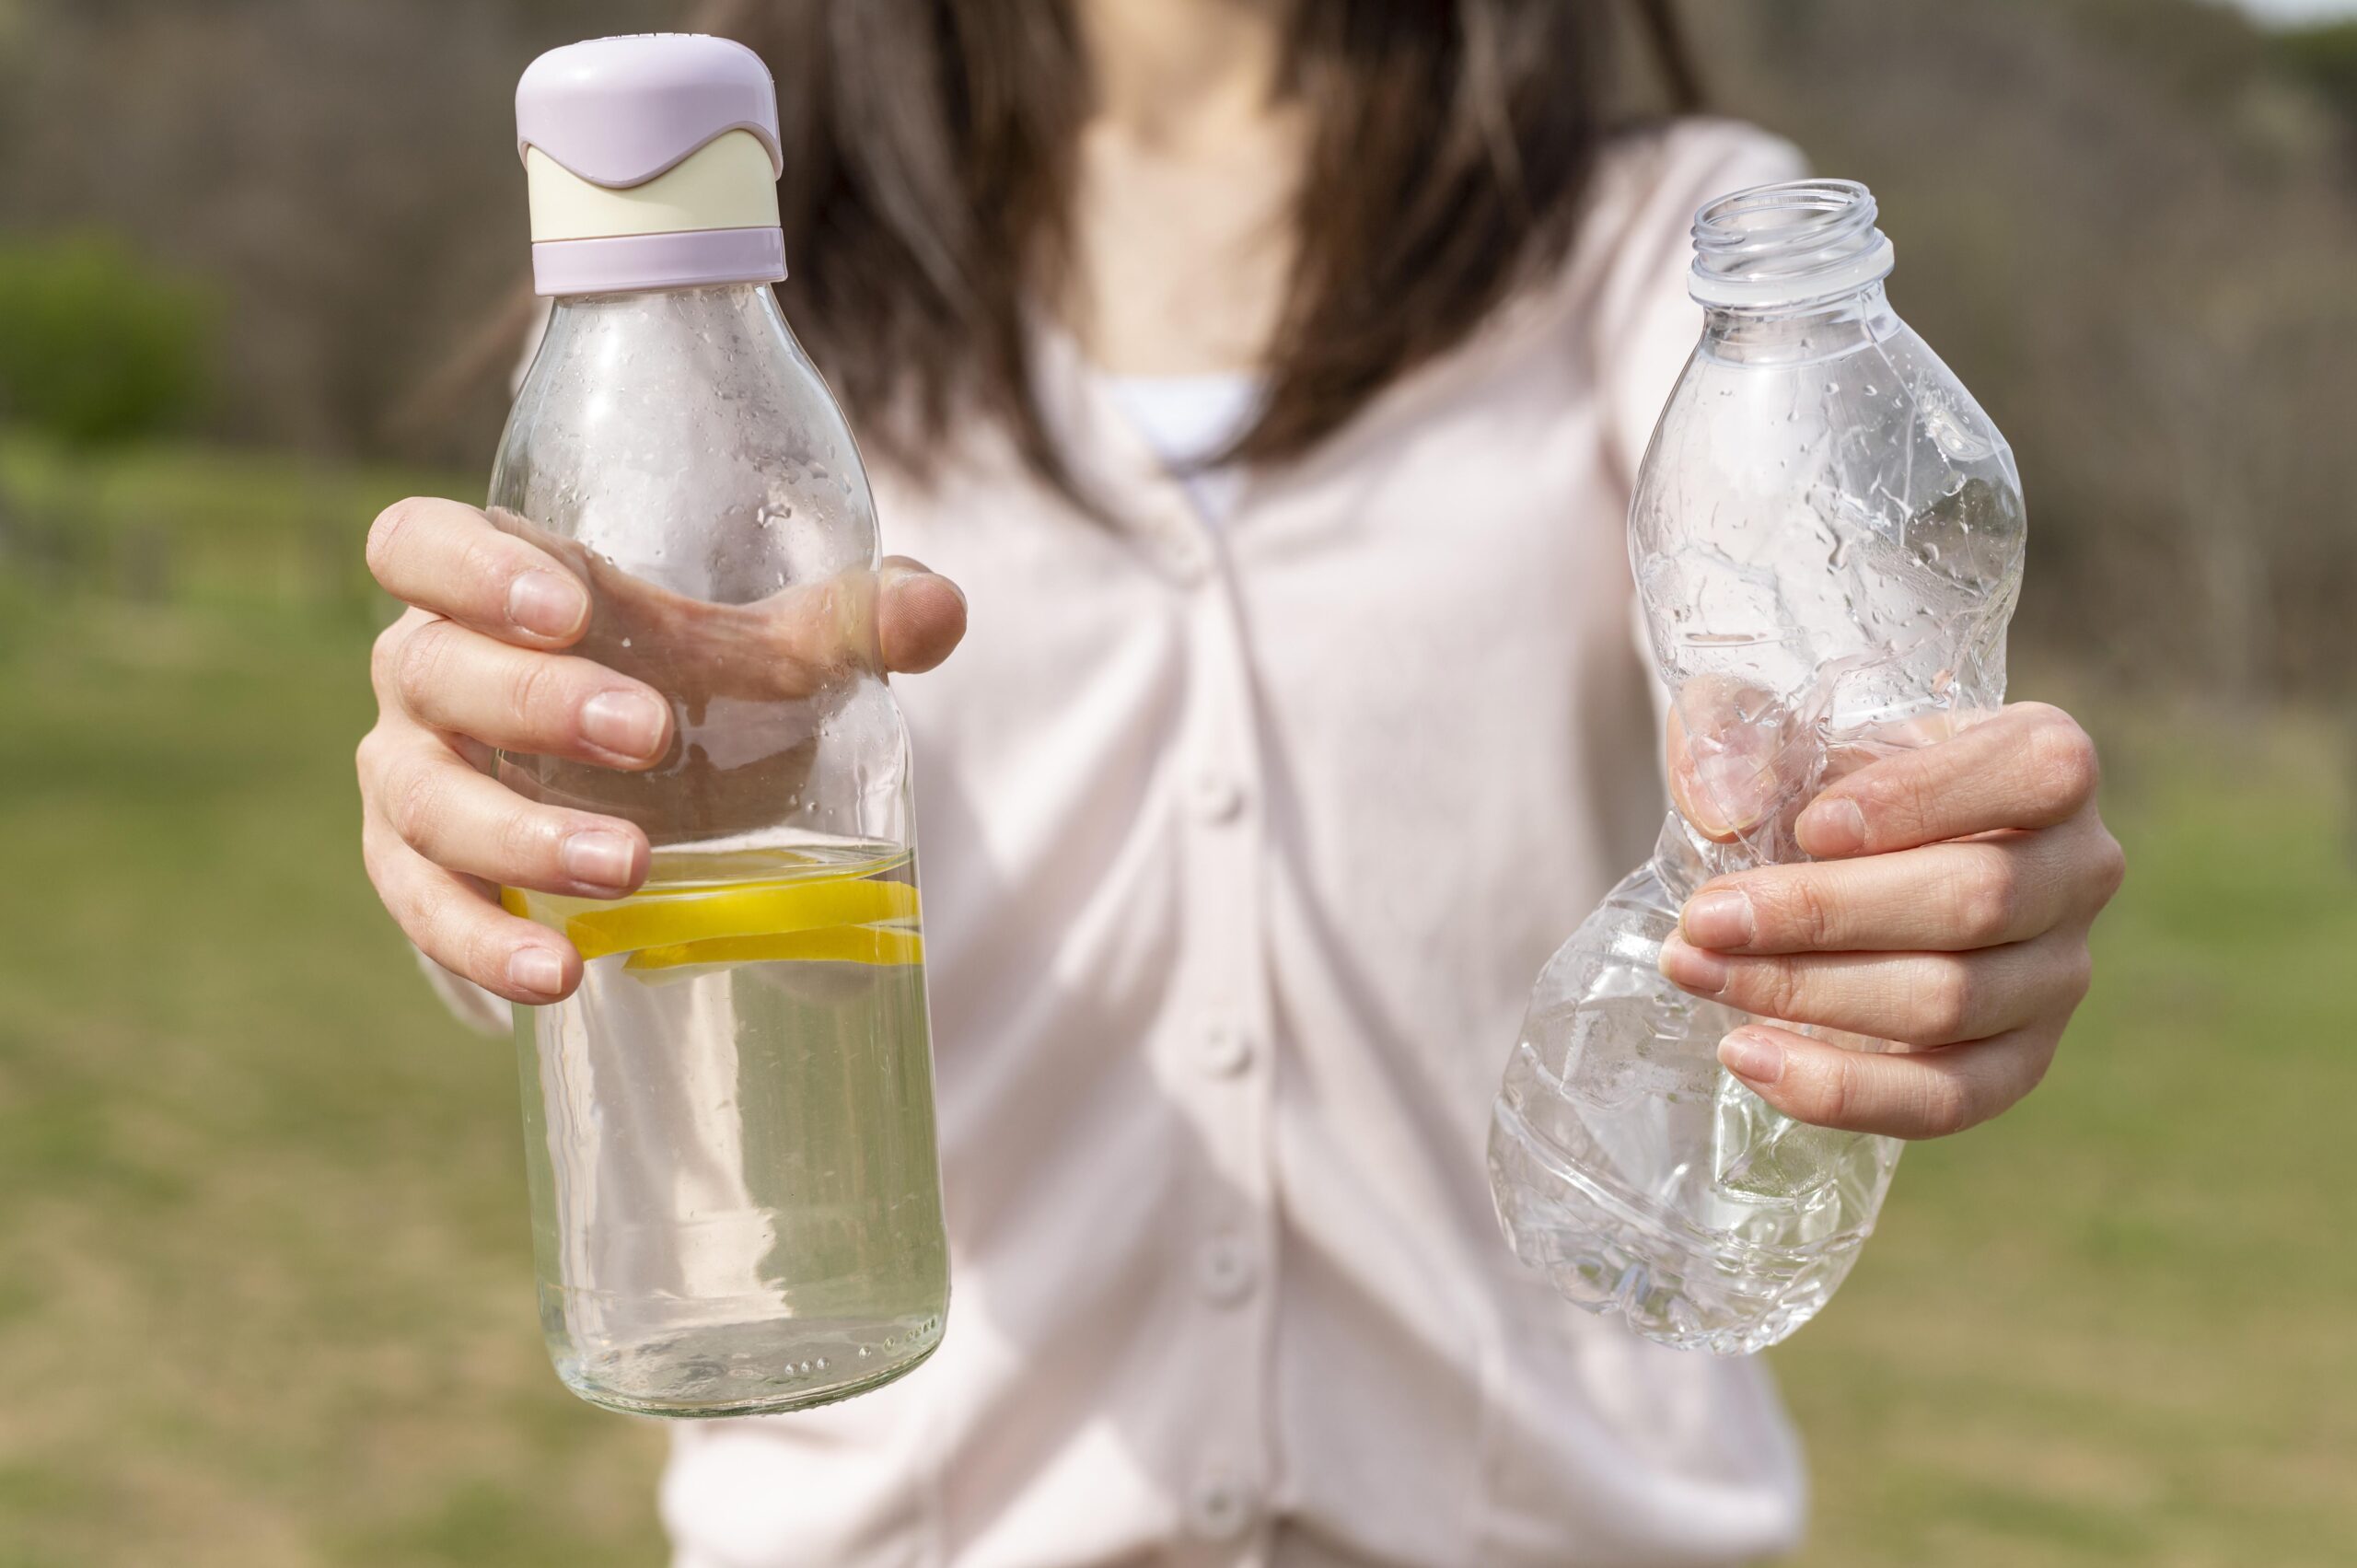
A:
[672,432]
[1783,257]
[1825,329]
[725,330]
[717,305]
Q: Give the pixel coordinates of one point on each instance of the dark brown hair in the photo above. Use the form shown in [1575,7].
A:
[929,159]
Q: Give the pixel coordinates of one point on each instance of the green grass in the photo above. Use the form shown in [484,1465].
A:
[188,523]
[2117,1326]
[266,1286]
[265,1293]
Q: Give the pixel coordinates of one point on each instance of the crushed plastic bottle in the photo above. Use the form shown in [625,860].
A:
[1828,537]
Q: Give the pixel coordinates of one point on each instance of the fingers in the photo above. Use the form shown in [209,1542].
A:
[1921,998]
[456,922]
[902,619]
[1901,1094]
[1948,909]
[783,647]
[1942,897]
[448,677]
[446,558]
[440,809]
[520,586]
[1725,743]
[2028,766]
[920,616]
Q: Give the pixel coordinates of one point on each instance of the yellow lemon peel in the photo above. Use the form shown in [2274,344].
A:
[751,921]
[833,944]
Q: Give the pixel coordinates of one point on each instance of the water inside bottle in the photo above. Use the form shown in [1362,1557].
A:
[730,1132]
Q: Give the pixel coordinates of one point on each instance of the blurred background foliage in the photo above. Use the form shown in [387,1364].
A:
[96,346]
[264,1284]
[2129,223]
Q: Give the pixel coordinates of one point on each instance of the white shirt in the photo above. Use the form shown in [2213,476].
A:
[1186,421]
[1241,847]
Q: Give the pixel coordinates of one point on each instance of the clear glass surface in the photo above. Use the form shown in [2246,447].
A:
[737,1203]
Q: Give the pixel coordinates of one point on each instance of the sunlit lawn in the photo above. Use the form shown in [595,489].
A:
[265,1290]
[265,1294]
[2117,1326]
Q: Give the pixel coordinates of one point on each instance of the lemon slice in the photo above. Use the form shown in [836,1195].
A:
[740,909]
[832,944]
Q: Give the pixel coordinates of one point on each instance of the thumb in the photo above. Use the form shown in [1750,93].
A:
[920,616]
[1727,751]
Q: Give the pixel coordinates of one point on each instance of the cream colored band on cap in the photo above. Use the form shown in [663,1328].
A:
[728,184]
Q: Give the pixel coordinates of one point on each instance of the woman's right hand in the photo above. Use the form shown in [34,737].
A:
[477,664]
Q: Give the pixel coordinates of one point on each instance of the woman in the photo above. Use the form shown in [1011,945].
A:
[1270,377]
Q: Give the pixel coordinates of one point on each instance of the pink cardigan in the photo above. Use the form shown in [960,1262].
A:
[1241,847]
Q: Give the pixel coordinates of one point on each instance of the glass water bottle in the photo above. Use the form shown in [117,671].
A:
[730,1127]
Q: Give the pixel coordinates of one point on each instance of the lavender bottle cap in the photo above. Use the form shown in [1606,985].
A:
[653,163]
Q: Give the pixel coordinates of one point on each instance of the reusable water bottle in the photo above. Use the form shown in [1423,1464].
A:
[729,1131]
[1827,537]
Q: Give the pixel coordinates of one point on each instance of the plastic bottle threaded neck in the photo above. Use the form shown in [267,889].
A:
[1776,247]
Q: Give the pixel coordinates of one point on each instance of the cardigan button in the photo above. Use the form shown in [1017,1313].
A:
[1219,1506]
[1222,1051]
[1216,796]
[1189,558]
[1226,1271]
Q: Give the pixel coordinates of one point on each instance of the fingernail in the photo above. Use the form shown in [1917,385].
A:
[1735,781]
[629,724]
[1752,1058]
[1831,827]
[536,969]
[895,576]
[1717,920]
[547,602]
[597,856]
[1692,968]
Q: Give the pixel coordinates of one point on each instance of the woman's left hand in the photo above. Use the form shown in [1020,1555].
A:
[1946,913]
